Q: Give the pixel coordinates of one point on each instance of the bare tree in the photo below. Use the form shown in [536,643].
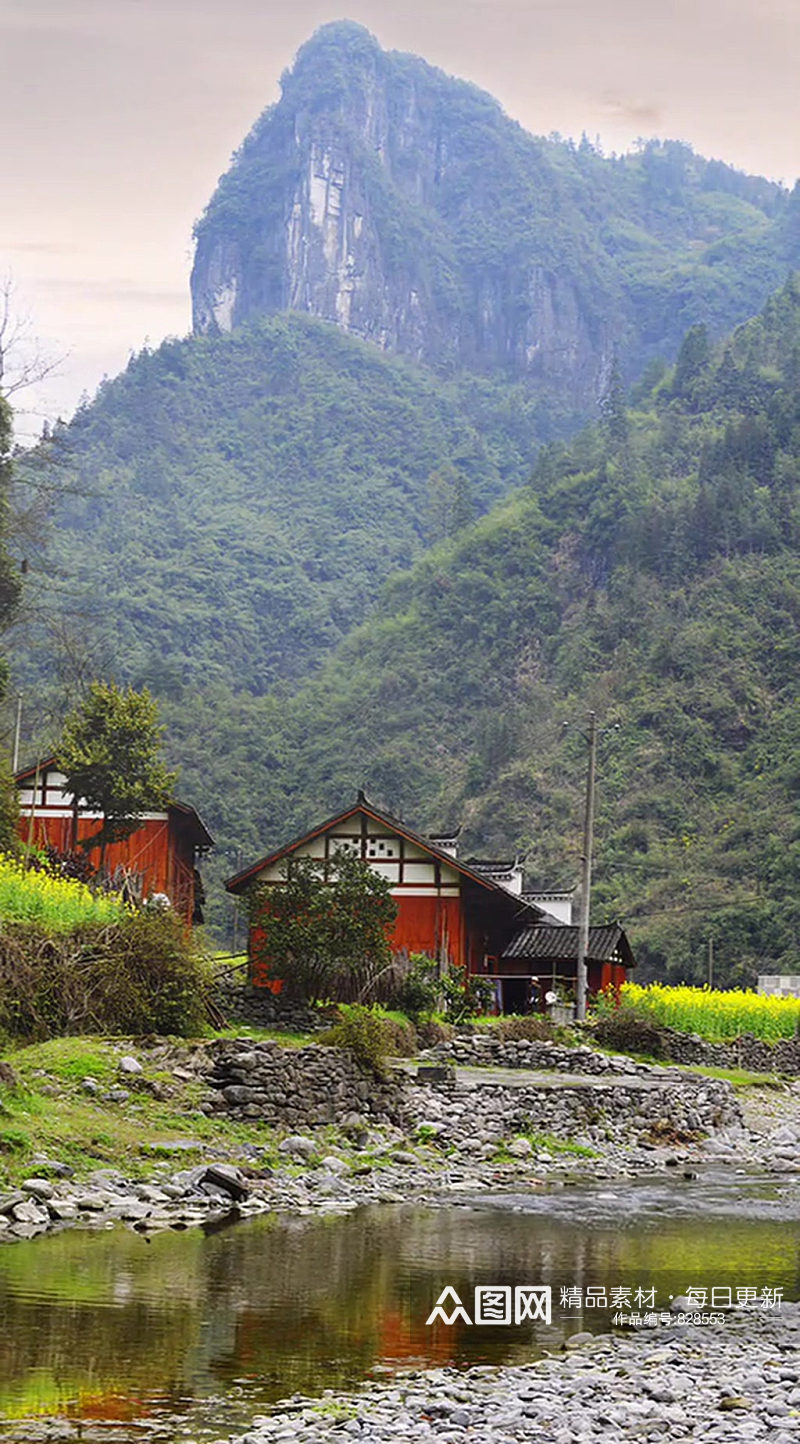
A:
[23,362]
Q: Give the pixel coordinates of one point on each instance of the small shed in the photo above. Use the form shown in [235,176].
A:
[548,952]
[160,856]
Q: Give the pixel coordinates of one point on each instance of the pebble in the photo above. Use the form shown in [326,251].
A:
[298,1145]
[619,1388]
[30,1212]
[333,1164]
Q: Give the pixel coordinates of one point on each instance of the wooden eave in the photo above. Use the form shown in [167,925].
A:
[558,943]
[190,817]
[182,811]
[43,765]
[239,882]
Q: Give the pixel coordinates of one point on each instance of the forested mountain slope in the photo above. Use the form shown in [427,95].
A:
[403,206]
[649,571]
[232,505]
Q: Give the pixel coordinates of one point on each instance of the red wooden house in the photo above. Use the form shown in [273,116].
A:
[160,856]
[444,907]
[472,914]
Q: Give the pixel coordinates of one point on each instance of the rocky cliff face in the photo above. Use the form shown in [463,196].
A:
[403,206]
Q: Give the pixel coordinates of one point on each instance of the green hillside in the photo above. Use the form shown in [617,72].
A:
[649,571]
[232,505]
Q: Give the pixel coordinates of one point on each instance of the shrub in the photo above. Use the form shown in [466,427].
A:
[156,982]
[324,931]
[71,863]
[368,1036]
[629,1032]
[419,994]
[401,1036]
[431,1031]
[535,1030]
[138,975]
[476,996]
[428,989]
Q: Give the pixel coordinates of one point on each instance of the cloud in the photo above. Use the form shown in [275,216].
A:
[45,248]
[123,290]
[633,112]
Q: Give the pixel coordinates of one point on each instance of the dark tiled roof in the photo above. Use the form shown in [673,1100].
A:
[559,942]
[201,837]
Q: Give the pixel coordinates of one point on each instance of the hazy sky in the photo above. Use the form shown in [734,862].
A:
[119,116]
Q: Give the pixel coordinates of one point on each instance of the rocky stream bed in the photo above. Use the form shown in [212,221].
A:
[723,1382]
[470,1138]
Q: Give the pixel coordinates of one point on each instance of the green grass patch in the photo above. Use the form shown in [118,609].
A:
[335,1411]
[737,1077]
[548,1143]
[14,1140]
[544,1143]
[262,1035]
[49,1113]
[67,1058]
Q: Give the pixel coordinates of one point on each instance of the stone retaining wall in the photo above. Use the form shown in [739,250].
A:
[745,1052]
[261,1008]
[311,1086]
[296,1087]
[674,1112]
[480,1049]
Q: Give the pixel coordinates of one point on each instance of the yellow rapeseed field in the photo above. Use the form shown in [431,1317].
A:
[54,902]
[714,1014]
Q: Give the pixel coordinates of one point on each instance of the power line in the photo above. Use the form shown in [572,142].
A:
[695,907]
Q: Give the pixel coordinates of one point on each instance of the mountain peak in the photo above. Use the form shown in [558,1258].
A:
[405,207]
[341,35]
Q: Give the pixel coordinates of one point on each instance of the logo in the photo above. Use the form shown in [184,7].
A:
[495,1304]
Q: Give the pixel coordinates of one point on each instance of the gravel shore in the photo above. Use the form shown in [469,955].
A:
[720,1383]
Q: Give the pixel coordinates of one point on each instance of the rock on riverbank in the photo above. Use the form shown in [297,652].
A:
[723,1383]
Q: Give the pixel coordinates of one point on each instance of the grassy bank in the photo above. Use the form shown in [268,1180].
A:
[50,1112]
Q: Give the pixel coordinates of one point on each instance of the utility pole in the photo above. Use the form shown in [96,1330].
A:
[586,874]
[32,822]
[236,907]
[711,962]
[15,762]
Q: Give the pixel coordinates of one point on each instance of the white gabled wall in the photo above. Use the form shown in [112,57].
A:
[384,849]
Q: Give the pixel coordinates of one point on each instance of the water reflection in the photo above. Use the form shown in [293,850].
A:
[104,1325]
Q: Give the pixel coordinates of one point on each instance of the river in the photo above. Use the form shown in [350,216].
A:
[188,1334]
